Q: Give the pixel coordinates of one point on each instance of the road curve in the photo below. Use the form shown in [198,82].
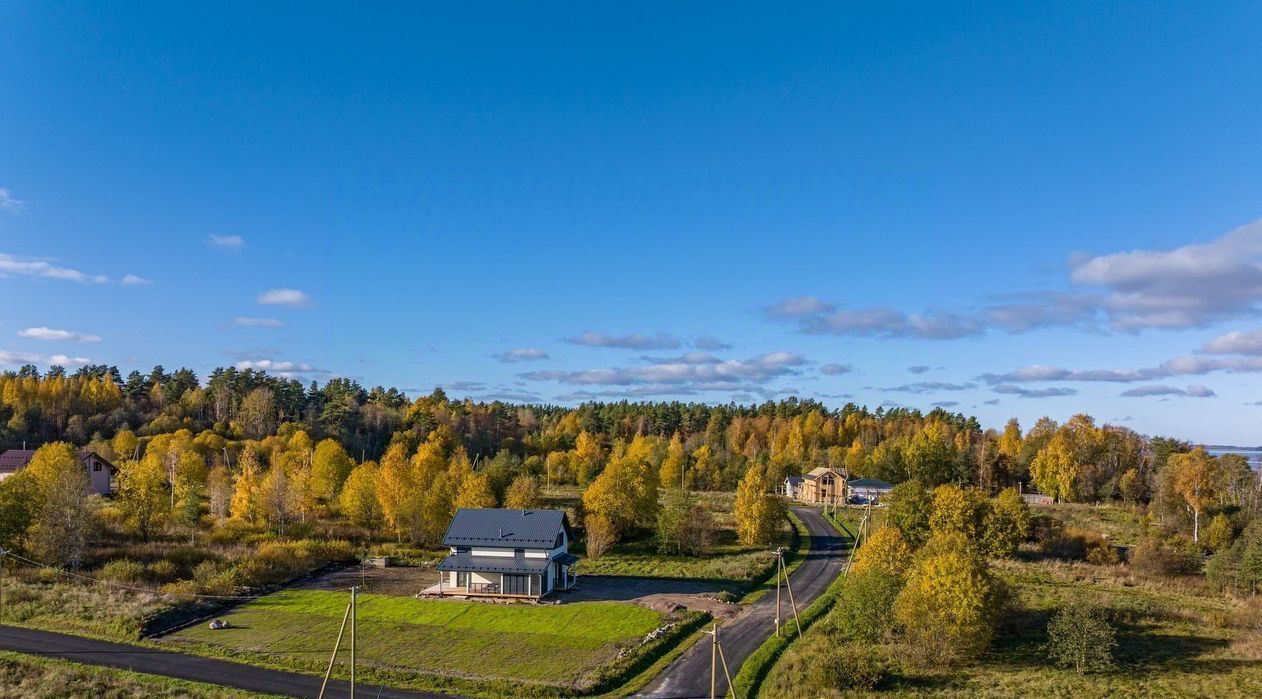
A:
[186,667]
[689,676]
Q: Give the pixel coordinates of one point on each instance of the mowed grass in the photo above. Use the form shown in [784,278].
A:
[1175,639]
[555,644]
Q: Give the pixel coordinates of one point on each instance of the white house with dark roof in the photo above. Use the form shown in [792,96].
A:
[100,471]
[520,554]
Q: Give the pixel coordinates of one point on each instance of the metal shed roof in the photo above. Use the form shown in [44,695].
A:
[494,564]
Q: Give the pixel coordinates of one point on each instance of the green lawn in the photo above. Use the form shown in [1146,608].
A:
[554,644]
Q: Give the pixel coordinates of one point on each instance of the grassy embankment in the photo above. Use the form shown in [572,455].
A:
[32,677]
[1175,636]
[442,644]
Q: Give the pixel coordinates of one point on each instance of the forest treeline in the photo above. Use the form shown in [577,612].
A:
[710,447]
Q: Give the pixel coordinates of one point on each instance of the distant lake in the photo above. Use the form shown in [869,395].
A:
[1253,454]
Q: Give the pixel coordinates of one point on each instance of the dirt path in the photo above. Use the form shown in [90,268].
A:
[689,675]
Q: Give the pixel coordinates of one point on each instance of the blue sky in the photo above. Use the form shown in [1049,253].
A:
[1007,209]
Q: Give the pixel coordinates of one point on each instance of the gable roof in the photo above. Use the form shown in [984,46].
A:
[818,471]
[793,480]
[870,483]
[15,460]
[504,528]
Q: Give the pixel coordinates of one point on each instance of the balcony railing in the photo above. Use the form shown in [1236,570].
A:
[484,588]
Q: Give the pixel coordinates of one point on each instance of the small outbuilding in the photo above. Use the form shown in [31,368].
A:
[867,490]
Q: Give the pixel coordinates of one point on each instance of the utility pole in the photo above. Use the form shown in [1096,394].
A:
[779,554]
[4,556]
[354,599]
[333,658]
[716,656]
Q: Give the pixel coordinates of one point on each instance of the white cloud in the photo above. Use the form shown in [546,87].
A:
[279,366]
[41,268]
[1022,392]
[8,202]
[1159,390]
[694,371]
[1185,287]
[227,243]
[1188,286]
[133,280]
[710,343]
[522,354]
[257,322]
[922,387]
[284,297]
[637,341]
[836,369]
[1236,343]
[42,333]
[10,358]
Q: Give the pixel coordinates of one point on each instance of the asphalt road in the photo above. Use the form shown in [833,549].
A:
[187,667]
[689,675]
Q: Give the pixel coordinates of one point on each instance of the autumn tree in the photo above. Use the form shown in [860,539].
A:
[1195,478]
[886,550]
[330,466]
[959,510]
[64,519]
[950,601]
[219,493]
[675,465]
[395,483]
[277,499]
[245,496]
[587,457]
[759,513]
[19,506]
[358,498]
[475,492]
[143,494]
[523,494]
[1005,524]
[910,505]
[1055,467]
[684,524]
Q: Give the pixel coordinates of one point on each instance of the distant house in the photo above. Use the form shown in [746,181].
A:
[507,553]
[792,487]
[823,485]
[865,490]
[100,471]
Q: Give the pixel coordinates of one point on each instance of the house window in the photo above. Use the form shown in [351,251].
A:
[517,584]
[96,465]
[519,552]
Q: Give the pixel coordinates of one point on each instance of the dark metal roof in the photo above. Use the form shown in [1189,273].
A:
[566,559]
[870,483]
[794,480]
[503,528]
[494,564]
[15,460]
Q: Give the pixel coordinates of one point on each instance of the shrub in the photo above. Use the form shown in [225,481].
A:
[1218,533]
[1081,638]
[163,571]
[950,602]
[1102,554]
[886,550]
[910,505]
[850,667]
[863,608]
[123,570]
[1072,543]
[1156,557]
[1006,523]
